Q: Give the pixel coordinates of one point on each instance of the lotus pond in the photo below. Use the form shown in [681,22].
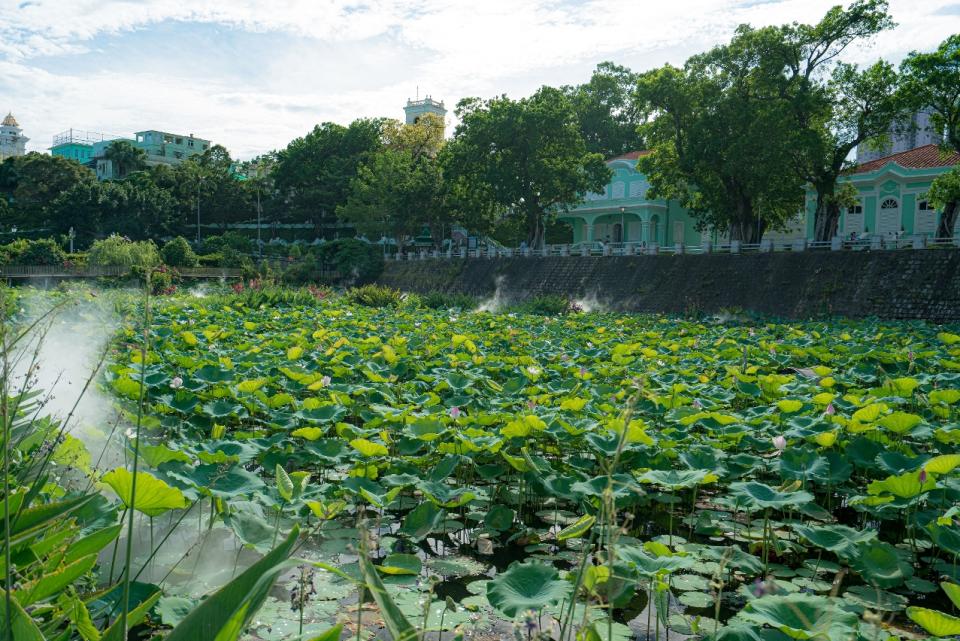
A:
[588,476]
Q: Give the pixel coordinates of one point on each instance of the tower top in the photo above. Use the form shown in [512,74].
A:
[10,121]
[421,106]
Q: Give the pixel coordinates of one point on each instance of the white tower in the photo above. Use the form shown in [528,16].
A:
[12,140]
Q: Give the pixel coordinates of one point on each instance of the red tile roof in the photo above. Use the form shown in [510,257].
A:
[632,155]
[919,158]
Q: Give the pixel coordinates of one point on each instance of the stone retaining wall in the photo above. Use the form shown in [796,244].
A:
[920,284]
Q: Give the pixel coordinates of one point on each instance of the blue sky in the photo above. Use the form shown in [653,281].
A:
[253,74]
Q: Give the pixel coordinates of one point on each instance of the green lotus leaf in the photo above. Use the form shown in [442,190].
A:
[840,539]
[939,624]
[401,564]
[151,497]
[801,616]
[422,520]
[881,564]
[526,586]
[758,495]
[905,486]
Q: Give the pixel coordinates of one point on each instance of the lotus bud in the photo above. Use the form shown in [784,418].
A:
[454,412]
[325,381]
[923,476]
[176,382]
[780,442]
[830,410]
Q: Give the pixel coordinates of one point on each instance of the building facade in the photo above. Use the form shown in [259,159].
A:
[12,141]
[892,195]
[415,109]
[160,147]
[76,145]
[622,213]
[917,133]
[892,204]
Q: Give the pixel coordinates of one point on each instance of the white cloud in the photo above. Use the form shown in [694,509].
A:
[339,59]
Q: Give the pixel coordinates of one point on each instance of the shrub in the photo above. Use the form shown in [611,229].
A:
[178,253]
[302,272]
[356,262]
[43,251]
[231,239]
[120,251]
[375,296]
[255,295]
[442,300]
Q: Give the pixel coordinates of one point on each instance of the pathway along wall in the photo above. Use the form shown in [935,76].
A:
[921,284]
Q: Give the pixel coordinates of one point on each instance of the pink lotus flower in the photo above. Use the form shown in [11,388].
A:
[780,442]
[531,404]
[325,381]
[454,413]
[923,476]
[583,371]
[830,410]
[176,382]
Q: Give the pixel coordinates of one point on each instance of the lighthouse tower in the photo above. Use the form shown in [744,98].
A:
[416,109]
[12,140]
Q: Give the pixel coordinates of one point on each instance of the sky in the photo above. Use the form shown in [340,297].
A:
[254,74]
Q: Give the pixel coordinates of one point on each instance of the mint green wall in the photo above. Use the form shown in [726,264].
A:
[75,151]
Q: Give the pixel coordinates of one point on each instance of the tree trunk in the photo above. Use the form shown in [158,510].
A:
[535,230]
[948,219]
[826,219]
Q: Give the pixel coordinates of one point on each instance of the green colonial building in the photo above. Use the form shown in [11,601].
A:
[892,195]
[892,204]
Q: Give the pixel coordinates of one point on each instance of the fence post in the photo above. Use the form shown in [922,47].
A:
[734,246]
[919,242]
[678,248]
[876,242]
[800,245]
[766,245]
[836,244]
[706,246]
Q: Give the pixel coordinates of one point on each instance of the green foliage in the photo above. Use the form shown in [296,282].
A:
[125,158]
[444,300]
[356,262]
[178,253]
[43,251]
[123,252]
[540,164]
[314,172]
[230,240]
[605,110]
[374,296]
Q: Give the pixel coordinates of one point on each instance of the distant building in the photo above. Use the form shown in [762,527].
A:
[12,140]
[903,137]
[160,147]
[416,109]
[76,145]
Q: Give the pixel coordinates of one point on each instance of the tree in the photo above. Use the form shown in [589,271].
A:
[835,106]
[38,180]
[933,80]
[607,115]
[207,182]
[945,195]
[313,174]
[399,190]
[717,145]
[525,156]
[125,158]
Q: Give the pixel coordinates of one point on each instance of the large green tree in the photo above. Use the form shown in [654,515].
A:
[933,81]
[526,156]
[605,110]
[399,190]
[718,144]
[313,173]
[35,181]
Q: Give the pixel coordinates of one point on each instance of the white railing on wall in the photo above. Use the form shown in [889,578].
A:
[653,249]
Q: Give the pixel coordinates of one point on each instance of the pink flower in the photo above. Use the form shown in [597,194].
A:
[531,404]
[831,410]
[583,371]
[697,405]
[176,382]
[780,442]
[923,476]
[454,413]
[325,381]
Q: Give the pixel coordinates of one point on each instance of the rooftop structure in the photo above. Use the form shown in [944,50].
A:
[77,144]
[416,109]
[12,140]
